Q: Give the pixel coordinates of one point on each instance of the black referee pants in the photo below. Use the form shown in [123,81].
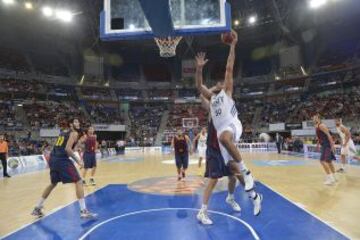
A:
[4,163]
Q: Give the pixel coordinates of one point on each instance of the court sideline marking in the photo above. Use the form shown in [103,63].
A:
[50,213]
[256,237]
[305,210]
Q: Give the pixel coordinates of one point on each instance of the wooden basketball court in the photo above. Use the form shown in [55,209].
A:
[296,178]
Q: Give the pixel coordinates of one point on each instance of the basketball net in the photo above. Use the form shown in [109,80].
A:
[168,45]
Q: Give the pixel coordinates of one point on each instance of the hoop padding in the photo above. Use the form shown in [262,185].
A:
[168,45]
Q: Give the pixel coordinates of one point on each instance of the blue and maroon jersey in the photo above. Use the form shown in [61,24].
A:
[212,140]
[180,145]
[90,144]
[322,137]
[60,145]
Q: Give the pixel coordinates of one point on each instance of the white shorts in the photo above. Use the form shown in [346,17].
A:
[236,129]
[202,152]
[349,150]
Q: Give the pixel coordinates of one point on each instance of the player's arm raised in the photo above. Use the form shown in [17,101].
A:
[205,103]
[69,147]
[200,63]
[326,131]
[229,74]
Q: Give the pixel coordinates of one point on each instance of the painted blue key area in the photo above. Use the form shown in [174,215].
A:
[124,214]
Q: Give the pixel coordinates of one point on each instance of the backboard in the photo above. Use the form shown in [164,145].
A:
[125,19]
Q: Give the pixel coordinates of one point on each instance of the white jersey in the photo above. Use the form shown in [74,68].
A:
[341,134]
[223,110]
[202,141]
[349,149]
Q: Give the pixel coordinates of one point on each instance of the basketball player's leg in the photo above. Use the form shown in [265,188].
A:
[326,162]
[185,164]
[71,175]
[325,167]
[229,151]
[228,137]
[208,191]
[200,161]
[253,195]
[93,171]
[93,168]
[87,166]
[343,163]
[202,215]
[84,172]
[178,166]
[55,178]
[343,157]
[230,199]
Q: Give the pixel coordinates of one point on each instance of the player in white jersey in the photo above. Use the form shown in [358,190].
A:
[225,119]
[201,146]
[348,148]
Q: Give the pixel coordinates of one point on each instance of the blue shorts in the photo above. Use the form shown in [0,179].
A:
[182,160]
[215,164]
[89,160]
[63,170]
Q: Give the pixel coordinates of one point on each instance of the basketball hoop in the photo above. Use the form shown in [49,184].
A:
[168,46]
[190,123]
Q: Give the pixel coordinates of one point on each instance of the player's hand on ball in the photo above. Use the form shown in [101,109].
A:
[200,59]
[235,37]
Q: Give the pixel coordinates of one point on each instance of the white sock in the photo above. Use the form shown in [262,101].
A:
[252,194]
[41,202]
[204,207]
[231,196]
[333,176]
[82,204]
[243,167]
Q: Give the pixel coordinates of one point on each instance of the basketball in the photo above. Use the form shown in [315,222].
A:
[227,38]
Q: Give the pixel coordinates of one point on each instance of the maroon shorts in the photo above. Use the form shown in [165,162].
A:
[63,170]
[327,154]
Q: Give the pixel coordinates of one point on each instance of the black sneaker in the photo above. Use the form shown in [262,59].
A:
[37,212]
[340,170]
[84,183]
[7,176]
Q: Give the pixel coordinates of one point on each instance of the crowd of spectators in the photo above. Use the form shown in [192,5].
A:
[145,122]
[16,85]
[47,114]
[25,146]
[7,115]
[101,113]
[188,110]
